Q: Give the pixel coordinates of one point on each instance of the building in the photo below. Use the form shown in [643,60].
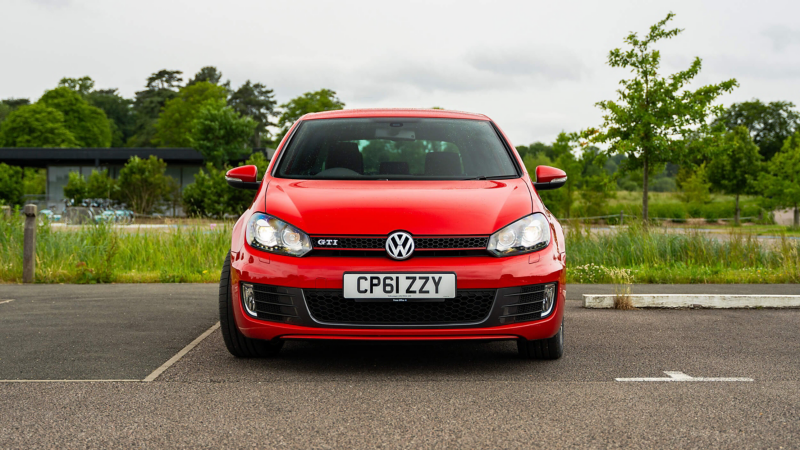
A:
[182,163]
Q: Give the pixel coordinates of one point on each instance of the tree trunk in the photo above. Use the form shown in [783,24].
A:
[645,215]
[736,214]
[796,215]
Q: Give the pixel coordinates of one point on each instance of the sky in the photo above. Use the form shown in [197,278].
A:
[536,68]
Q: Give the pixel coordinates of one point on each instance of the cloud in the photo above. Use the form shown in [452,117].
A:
[52,3]
[782,36]
[548,64]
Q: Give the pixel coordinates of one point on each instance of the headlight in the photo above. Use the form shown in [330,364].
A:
[273,235]
[526,235]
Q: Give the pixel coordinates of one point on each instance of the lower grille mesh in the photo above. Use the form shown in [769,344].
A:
[469,306]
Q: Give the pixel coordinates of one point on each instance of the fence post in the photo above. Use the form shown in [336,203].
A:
[621,216]
[6,210]
[29,245]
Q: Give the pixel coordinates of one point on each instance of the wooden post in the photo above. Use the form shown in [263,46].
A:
[6,210]
[29,245]
[621,216]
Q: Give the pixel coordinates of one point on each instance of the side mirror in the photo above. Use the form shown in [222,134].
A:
[549,178]
[243,177]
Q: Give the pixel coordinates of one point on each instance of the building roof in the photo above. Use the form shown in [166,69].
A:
[40,157]
[394,112]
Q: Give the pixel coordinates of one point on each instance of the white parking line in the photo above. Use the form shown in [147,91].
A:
[180,354]
[680,376]
[6,301]
[70,381]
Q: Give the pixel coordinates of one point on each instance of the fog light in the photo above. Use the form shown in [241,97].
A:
[249,299]
[549,299]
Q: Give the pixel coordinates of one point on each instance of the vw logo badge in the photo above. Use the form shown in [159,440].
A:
[400,245]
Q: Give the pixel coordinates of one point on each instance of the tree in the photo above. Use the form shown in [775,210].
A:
[220,134]
[34,181]
[82,85]
[143,184]
[10,185]
[161,87]
[735,165]
[75,188]
[88,124]
[100,185]
[770,124]
[559,201]
[696,188]
[781,183]
[654,113]
[36,126]
[321,100]
[210,196]
[258,103]
[209,74]
[118,110]
[175,123]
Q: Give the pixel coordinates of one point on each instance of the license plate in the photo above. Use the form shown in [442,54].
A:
[399,287]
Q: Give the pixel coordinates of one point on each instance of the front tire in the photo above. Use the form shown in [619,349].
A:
[546,349]
[238,344]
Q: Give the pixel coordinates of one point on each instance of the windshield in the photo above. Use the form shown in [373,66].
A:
[396,148]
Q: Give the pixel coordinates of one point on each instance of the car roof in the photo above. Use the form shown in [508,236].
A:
[394,112]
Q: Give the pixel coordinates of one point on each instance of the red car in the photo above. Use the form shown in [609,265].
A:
[395,225]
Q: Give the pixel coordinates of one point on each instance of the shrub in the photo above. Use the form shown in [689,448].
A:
[143,184]
[10,185]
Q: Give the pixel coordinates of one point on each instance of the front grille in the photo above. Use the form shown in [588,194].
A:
[420,243]
[330,306]
[382,254]
[274,303]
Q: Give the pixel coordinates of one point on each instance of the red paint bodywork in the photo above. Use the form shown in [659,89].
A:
[443,208]
[546,174]
[247,174]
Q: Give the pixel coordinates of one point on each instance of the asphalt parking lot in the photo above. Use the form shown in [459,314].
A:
[336,394]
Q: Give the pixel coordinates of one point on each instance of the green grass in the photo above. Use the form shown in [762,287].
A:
[653,256]
[101,254]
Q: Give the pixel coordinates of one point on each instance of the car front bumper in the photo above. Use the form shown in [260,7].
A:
[299,275]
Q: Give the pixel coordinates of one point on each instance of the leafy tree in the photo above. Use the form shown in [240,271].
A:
[36,126]
[15,103]
[175,123]
[781,183]
[161,87]
[100,185]
[209,74]
[82,85]
[321,100]
[770,124]
[559,201]
[258,103]
[76,188]
[88,124]
[210,195]
[654,113]
[34,181]
[596,192]
[10,185]
[118,110]
[736,165]
[143,184]
[220,134]
[696,188]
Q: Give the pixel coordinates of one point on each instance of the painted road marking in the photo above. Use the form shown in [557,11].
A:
[70,381]
[180,354]
[680,376]
[6,301]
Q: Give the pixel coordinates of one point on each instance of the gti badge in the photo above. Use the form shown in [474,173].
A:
[400,245]
[328,242]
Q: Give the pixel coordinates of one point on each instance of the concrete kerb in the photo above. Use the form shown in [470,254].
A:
[696,301]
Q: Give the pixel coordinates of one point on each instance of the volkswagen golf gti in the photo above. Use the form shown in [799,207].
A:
[395,225]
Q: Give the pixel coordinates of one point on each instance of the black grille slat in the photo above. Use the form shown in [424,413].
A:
[330,306]
[273,303]
[420,243]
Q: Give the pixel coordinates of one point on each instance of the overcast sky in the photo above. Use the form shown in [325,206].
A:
[536,68]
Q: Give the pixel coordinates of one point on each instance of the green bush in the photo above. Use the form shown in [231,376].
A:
[10,185]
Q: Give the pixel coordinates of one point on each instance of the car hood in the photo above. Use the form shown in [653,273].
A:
[343,207]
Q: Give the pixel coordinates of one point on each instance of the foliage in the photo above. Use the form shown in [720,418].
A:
[208,74]
[258,103]
[34,181]
[210,195]
[10,185]
[36,126]
[176,121]
[770,124]
[143,184]
[781,182]
[310,102]
[220,134]
[88,124]
[654,113]
[161,87]
[82,85]
[735,165]
[596,191]
[696,188]
[119,112]
[100,185]
[76,188]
